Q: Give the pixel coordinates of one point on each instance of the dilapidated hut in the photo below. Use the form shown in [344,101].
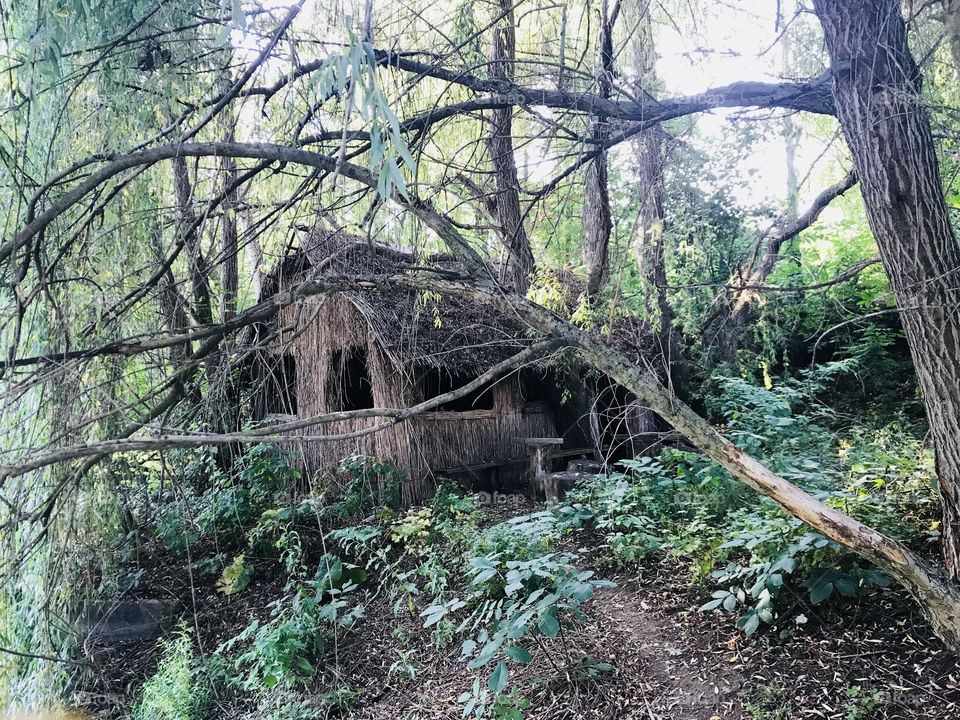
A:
[395,347]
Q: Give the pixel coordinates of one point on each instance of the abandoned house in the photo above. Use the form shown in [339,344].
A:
[396,347]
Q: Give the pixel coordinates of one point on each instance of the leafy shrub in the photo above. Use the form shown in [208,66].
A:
[341,699]
[235,577]
[510,599]
[173,692]
[509,707]
[174,528]
[450,504]
[617,505]
[769,549]
[752,553]
[370,483]
[455,516]
[225,504]
[520,538]
[412,530]
[862,703]
[359,541]
[235,501]
[285,649]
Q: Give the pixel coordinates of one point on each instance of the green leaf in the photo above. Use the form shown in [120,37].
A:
[486,654]
[820,592]
[712,605]
[499,677]
[750,623]
[548,624]
[468,648]
[845,585]
[519,654]
[235,577]
[581,591]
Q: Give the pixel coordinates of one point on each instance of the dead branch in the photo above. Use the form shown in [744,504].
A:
[274,433]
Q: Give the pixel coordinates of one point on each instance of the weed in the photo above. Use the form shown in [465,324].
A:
[861,702]
[174,691]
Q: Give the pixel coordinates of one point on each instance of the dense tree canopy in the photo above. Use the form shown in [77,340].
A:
[773,206]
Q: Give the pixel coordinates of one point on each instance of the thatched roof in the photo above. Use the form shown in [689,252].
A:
[419,329]
[414,327]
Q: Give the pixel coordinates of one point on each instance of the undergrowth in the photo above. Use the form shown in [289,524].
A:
[504,595]
[756,560]
[176,690]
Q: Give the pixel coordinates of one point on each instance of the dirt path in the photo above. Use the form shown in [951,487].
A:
[678,679]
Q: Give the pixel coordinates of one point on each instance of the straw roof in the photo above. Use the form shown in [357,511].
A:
[416,328]
[422,329]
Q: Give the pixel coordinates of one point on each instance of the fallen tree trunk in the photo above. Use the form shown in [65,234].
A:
[937,597]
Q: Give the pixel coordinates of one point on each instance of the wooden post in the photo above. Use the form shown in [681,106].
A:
[540,456]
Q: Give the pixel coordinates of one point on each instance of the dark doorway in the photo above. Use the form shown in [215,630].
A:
[350,386]
[540,386]
[438,382]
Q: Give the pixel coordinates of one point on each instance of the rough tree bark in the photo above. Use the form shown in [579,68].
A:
[229,249]
[254,253]
[520,263]
[651,156]
[877,92]
[172,304]
[951,21]
[224,396]
[597,223]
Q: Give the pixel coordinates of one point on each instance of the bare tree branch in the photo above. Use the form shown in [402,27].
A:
[278,432]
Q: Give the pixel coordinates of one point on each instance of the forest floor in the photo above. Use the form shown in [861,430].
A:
[870,658]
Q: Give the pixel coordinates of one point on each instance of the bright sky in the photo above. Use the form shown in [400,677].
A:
[732,42]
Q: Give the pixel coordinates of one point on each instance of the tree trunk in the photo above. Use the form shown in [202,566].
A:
[650,161]
[229,250]
[651,153]
[951,21]
[172,304]
[520,263]
[597,223]
[254,253]
[877,91]
[225,398]
[187,230]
